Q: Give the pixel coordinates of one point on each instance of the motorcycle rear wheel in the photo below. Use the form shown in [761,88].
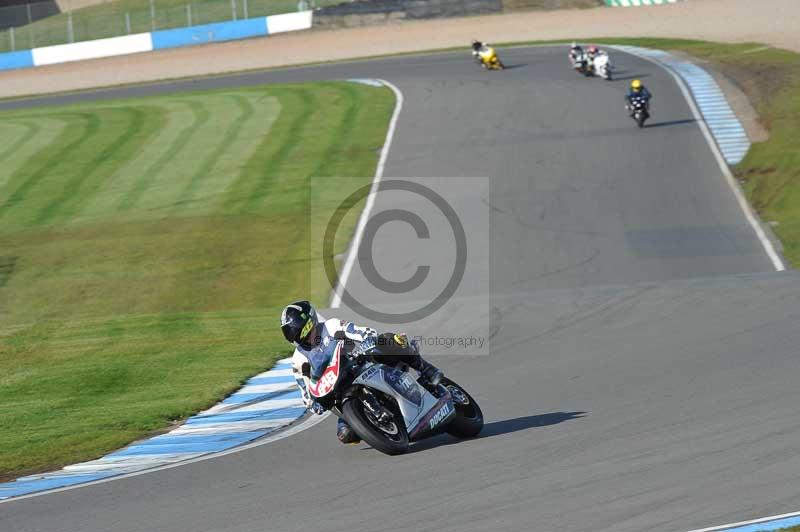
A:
[469,417]
[391,444]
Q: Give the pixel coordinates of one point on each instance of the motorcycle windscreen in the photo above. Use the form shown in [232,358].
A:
[319,359]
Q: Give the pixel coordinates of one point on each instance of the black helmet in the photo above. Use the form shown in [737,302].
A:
[299,323]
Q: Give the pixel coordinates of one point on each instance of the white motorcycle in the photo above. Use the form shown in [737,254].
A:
[601,66]
[384,404]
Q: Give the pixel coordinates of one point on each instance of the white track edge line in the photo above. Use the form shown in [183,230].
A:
[307,424]
[766,243]
[747,523]
[336,297]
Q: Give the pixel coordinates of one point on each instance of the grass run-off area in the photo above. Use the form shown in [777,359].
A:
[770,173]
[121,17]
[147,247]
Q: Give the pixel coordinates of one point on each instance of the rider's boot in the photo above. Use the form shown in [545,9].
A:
[345,433]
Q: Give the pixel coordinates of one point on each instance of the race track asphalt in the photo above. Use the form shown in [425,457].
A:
[643,363]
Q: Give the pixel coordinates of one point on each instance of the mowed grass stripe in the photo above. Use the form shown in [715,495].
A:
[106,126]
[270,159]
[44,140]
[130,179]
[233,165]
[225,164]
[227,139]
[141,123]
[352,157]
[164,195]
[200,116]
[41,165]
[328,166]
[28,130]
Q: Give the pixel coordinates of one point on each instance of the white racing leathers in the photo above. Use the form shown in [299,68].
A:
[602,65]
[327,331]
[576,57]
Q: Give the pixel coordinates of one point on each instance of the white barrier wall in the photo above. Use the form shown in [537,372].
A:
[637,3]
[289,22]
[147,42]
[62,53]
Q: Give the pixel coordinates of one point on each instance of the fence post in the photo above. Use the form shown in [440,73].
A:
[188,15]
[70,31]
[31,35]
[233,9]
[152,15]
[13,40]
[246,11]
[128,22]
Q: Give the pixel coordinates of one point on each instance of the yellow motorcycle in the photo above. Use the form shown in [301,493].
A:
[488,59]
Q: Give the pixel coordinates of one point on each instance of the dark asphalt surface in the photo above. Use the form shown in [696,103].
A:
[643,357]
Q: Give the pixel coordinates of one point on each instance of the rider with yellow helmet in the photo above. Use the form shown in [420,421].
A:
[638,90]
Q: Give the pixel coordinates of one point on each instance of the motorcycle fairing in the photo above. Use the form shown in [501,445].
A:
[327,382]
[439,415]
[414,400]
[405,386]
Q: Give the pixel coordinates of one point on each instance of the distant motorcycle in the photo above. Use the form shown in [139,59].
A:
[488,59]
[601,66]
[384,404]
[639,110]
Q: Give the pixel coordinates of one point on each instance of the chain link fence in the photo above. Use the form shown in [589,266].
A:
[39,24]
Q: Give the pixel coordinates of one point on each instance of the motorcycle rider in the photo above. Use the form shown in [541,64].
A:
[477,46]
[638,90]
[485,55]
[575,54]
[591,54]
[302,327]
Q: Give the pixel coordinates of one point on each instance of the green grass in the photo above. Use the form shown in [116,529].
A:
[791,529]
[109,19]
[147,247]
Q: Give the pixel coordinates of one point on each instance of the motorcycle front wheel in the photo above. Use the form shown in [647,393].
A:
[469,417]
[387,437]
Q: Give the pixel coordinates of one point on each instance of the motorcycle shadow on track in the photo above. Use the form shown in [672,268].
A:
[617,77]
[671,123]
[498,428]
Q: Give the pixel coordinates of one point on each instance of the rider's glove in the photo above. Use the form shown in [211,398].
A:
[317,408]
[367,345]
